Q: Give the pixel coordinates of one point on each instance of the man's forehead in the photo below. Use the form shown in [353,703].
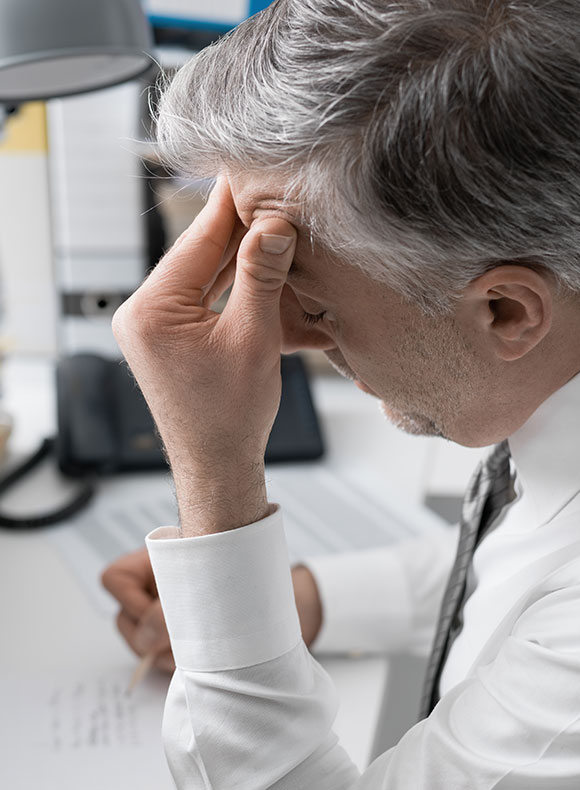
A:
[254,193]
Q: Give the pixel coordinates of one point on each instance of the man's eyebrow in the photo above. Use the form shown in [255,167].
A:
[296,274]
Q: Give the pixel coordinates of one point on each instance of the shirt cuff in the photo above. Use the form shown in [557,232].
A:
[228,598]
[366,602]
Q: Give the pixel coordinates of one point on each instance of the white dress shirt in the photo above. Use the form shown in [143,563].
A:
[249,708]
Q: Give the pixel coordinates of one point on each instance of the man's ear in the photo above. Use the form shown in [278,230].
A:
[509,308]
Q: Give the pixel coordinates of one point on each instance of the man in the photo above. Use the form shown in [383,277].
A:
[400,187]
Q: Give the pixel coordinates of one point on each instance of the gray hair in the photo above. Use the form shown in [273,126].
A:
[425,140]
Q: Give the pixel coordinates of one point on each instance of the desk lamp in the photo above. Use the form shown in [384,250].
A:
[54,48]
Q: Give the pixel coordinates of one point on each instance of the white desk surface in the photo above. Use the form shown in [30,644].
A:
[46,619]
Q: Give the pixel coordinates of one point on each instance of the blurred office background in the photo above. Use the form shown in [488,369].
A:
[85,208]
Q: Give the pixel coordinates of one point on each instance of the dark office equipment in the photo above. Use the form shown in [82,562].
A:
[104,424]
[105,427]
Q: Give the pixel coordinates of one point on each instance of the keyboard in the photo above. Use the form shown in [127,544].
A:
[324,510]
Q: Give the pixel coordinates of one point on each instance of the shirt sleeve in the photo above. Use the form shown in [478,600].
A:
[383,600]
[249,708]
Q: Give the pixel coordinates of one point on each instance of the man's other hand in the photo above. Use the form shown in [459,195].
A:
[140,620]
[308,603]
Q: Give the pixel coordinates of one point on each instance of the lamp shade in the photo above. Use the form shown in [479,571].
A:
[52,48]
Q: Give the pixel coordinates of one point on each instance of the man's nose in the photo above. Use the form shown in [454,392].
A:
[296,334]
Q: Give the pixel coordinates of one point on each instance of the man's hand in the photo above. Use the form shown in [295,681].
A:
[308,603]
[212,381]
[140,619]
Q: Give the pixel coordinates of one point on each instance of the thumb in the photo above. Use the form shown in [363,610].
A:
[264,258]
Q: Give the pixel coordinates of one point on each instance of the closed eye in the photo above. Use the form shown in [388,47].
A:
[310,319]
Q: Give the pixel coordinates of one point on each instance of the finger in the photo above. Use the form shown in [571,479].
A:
[185,233]
[136,563]
[238,234]
[130,580]
[221,285]
[192,264]
[165,661]
[144,640]
[263,261]
[240,231]
[151,634]
[214,289]
[127,627]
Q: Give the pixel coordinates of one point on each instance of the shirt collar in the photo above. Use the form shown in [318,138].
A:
[546,452]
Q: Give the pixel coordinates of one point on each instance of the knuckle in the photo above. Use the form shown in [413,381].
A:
[127,318]
[165,662]
[118,322]
[268,274]
[133,320]
[107,578]
[104,578]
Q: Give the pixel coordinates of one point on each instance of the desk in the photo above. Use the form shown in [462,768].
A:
[50,627]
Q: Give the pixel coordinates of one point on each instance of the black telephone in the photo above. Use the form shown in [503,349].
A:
[104,424]
[105,427]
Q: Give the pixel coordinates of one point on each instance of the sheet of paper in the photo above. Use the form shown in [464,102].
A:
[61,732]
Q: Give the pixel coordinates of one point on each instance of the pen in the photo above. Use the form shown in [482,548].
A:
[141,670]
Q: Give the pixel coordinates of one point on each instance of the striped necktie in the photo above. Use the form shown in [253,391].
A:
[489,490]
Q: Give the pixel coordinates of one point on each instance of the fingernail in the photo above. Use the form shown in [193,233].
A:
[276,245]
[146,638]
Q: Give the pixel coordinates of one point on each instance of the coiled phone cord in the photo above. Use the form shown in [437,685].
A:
[87,489]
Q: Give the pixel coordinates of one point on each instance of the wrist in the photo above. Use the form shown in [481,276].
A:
[210,503]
